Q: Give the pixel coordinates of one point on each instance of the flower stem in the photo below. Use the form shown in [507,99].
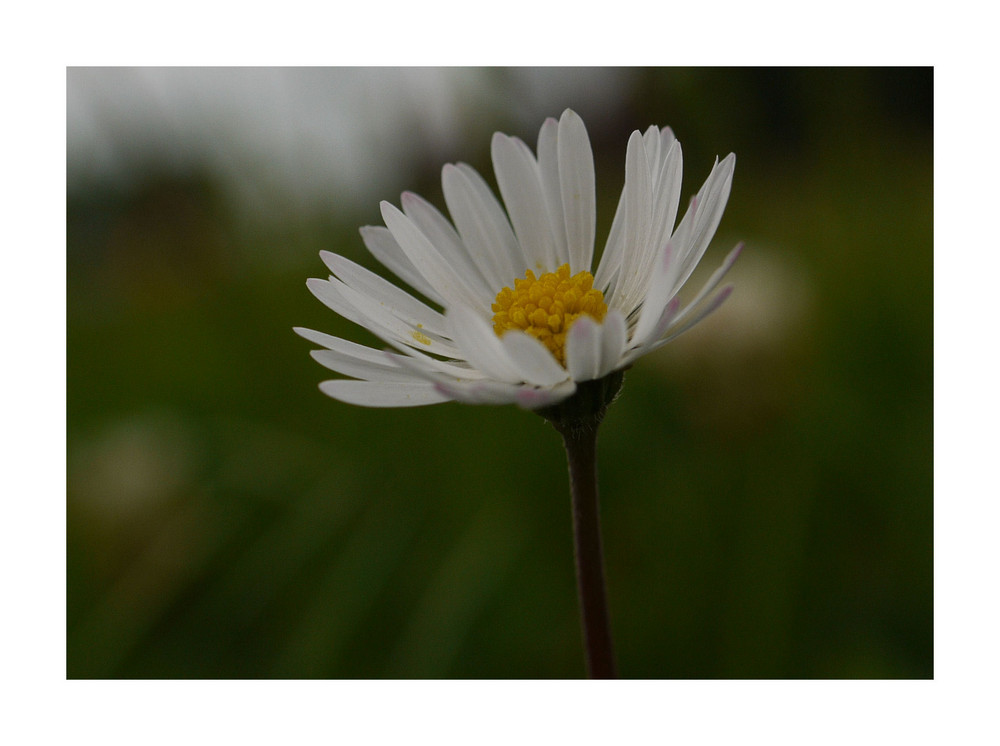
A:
[581,452]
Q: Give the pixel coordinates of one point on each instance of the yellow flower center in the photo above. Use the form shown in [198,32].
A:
[545,307]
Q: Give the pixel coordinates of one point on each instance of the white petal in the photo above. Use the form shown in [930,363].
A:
[666,194]
[380,369]
[548,169]
[369,394]
[497,392]
[606,277]
[380,318]
[415,361]
[576,184]
[480,392]
[369,314]
[521,188]
[402,304]
[714,280]
[533,365]
[536,398]
[533,359]
[345,347]
[446,240]
[717,301]
[613,338]
[664,165]
[660,291]
[328,295]
[433,370]
[651,144]
[583,349]
[483,226]
[480,345]
[638,349]
[441,275]
[702,218]
[384,247]
[667,139]
[632,237]
[412,360]
[320,338]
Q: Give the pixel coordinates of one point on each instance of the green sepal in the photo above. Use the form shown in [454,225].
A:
[588,405]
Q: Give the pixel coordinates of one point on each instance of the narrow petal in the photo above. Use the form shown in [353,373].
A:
[413,360]
[536,398]
[438,272]
[402,304]
[446,240]
[583,349]
[637,348]
[533,359]
[576,182]
[384,247]
[609,269]
[664,165]
[613,338]
[714,280]
[699,224]
[717,301]
[329,297]
[497,392]
[660,291]
[651,144]
[483,226]
[320,338]
[480,345]
[521,188]
[533,363]
[632,236]
[667,139]
[666,194]
[548,169]
[374,317]
[480,392]
[357,361]
[379,318]
[433,370]
[379,369]
[371,394]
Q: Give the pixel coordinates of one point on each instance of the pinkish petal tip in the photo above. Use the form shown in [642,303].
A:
[528,397]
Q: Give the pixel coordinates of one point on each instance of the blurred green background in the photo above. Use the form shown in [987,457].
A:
[766,480]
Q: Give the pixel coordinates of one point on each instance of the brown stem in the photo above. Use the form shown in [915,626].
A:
[581,452]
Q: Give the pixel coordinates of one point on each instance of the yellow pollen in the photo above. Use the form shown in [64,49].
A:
[420,336]
[545,307]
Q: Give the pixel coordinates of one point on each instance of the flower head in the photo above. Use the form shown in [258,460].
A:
[524,319]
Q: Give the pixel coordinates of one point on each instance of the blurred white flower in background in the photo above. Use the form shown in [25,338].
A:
[772,310]
[133,466]
[743,369]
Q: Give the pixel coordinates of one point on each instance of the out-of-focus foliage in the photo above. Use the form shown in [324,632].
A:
[766,480]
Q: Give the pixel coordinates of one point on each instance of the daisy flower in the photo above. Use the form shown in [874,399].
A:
[524,317]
